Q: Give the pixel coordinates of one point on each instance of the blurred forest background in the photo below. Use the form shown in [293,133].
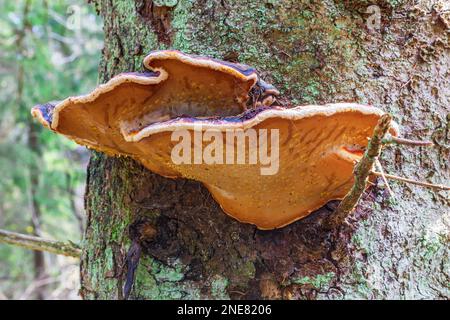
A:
[49,49]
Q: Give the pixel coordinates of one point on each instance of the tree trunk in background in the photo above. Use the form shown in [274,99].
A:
[314,52]
[33,145]
[38,256]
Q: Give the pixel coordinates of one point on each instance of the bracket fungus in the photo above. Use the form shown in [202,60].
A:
[136,115]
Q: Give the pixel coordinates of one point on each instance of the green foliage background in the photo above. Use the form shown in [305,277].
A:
[47,52]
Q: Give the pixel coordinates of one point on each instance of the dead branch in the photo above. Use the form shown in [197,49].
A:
[361,172]
[414,143]
[39,244]
[419,183]
[388,187]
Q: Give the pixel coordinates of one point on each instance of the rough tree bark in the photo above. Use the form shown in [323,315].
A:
[314,52]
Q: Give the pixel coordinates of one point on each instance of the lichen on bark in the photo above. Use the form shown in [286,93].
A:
[314,52]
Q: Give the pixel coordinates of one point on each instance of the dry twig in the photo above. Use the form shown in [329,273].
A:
[361,172]
[39,244]
[414,143]
[388,187]
[419,183]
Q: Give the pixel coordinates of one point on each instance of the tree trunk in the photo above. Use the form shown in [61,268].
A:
[40,272]
[32,141]
[395,57]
